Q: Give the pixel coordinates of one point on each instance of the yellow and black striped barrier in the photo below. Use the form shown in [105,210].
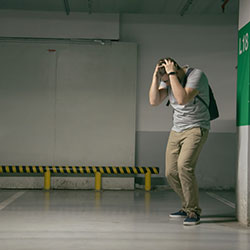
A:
[97,170]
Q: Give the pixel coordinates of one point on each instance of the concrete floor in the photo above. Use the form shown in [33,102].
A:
[117,220]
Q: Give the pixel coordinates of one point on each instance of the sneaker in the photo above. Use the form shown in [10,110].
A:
[192,219]
[179,214]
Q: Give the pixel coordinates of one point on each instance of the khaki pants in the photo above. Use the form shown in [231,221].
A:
[182,152]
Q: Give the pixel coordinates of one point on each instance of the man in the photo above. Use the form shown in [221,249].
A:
[191,123]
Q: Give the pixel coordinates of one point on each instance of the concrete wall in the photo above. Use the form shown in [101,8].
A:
[57,25]
[206,42]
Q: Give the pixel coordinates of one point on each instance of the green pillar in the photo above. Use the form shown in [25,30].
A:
[243,79]
[243,119]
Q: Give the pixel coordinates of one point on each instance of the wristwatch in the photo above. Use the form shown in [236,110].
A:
[172,73]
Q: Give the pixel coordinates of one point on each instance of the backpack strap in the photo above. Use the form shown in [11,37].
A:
[186,76]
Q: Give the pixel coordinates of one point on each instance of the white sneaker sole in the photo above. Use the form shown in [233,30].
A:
[177,216]
[191,223]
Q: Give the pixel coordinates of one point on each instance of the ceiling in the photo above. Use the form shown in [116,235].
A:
[179,7]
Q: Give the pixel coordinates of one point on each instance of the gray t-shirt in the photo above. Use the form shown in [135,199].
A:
[194,113]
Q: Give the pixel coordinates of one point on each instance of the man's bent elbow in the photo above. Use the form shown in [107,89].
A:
[182,101]
[153,103]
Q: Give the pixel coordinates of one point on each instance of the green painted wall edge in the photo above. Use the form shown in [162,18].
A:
[243,77]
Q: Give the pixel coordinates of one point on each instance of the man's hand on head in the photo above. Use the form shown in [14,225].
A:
[169,66]
[156,72]
[159,71]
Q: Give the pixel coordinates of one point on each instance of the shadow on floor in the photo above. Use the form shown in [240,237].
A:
[218,218]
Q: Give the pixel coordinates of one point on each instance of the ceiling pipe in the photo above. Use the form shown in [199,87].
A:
[223,5]
[90,6]
[186,7]
[66,6]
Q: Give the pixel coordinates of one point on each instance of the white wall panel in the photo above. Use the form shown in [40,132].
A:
[96,109]
[72,105]
[26,104]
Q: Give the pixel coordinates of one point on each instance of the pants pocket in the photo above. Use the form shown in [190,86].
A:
[203,131]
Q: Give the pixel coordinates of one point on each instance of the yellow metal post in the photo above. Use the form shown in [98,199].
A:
[98,181]
[47,180]
[148,181]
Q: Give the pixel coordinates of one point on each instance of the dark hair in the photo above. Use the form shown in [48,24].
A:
[162,70]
